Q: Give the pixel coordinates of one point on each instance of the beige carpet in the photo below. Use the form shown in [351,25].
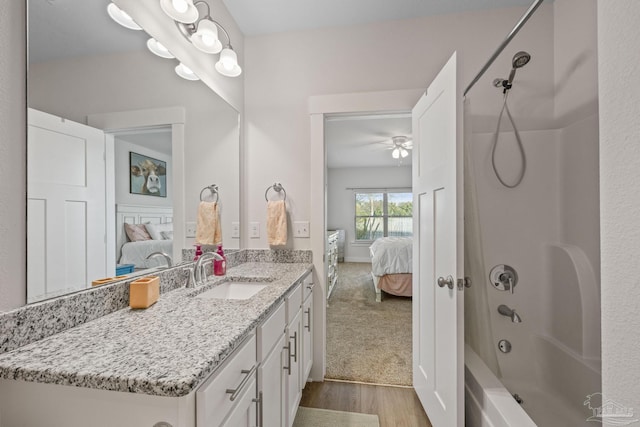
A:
[311,417]
[367,341]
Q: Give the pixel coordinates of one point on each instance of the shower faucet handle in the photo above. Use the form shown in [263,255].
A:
[503,278]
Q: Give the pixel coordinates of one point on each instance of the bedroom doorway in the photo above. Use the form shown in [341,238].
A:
[368,194]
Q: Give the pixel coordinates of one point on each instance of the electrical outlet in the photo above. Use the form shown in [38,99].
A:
[301,229]
[235,230]
[190,229]
[254,230]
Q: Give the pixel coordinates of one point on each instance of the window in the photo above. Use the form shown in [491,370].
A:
[383,214]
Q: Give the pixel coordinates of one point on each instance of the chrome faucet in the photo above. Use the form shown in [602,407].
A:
[199,268]
[508,312]
[166,257]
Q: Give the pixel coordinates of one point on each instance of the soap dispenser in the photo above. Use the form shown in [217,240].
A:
[220,266]
[198,252]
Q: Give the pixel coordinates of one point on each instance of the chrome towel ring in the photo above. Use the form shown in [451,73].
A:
[213,189]
[278,188]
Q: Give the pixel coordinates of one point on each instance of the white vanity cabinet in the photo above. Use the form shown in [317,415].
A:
[272,376]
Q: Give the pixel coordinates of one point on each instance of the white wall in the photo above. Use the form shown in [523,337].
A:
[13,174]
[341,201]
[123,172]
[284,70]
[619,72]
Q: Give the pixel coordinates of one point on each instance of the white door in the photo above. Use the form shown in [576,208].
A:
[438,335]
[66,225]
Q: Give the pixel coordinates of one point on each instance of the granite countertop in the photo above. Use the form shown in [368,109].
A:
[167,349]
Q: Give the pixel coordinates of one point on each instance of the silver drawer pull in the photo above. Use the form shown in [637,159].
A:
[260,409]
[295,347]
[308,313]
[288,348]
[235,392]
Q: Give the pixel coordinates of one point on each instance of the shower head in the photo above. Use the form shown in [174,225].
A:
[520,59]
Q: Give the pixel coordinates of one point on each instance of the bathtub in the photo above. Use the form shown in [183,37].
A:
[487,402]
[555,399]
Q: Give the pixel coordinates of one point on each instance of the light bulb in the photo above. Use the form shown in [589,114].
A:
[180,5]
[228,63]
[403,152]
[158,48]
[206,37]
[395,153]
[185,72]
[180,10]
[122,17]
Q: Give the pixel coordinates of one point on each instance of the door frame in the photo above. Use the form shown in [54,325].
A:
[393,101]
[171,116]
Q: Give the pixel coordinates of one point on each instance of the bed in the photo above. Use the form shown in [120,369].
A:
[156,221]
[391,266]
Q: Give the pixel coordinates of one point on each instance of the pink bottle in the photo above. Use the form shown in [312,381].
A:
[220,267]
[198,252]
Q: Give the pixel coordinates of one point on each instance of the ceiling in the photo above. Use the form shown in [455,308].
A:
[365,140]
[276,16]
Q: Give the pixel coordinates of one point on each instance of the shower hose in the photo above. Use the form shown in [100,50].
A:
[505,108]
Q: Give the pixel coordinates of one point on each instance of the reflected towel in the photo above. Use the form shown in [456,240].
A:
[277,223]
[208,230]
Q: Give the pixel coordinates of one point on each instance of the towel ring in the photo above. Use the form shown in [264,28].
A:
[213,189]
[277,187]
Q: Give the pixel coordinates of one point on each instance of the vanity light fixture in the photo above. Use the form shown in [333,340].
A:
[158,48]
[186,72]
[203,32]
[122,17]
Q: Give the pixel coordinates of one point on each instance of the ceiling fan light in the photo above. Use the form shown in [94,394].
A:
[395,153]
[228,63]
[180,10]
[206,37]
[158,48]
[186,72]
[122,17]
[404,153]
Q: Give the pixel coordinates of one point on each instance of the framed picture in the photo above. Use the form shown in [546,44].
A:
[148,175]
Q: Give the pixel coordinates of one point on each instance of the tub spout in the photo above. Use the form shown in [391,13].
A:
[506,311]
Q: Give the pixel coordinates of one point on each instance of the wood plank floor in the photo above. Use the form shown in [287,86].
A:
[395,406]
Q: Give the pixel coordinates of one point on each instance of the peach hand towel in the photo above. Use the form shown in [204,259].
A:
[208,229]
[277,223]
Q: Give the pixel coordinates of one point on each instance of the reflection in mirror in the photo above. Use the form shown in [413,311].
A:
[85,183]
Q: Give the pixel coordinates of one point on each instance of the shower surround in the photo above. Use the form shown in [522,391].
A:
[546,228]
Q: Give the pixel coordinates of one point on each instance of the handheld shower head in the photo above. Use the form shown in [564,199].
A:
[520,59]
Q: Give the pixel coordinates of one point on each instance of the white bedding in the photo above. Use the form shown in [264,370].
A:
[391,255]
[137,252]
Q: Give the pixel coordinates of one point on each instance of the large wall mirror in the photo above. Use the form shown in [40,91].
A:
[89,183]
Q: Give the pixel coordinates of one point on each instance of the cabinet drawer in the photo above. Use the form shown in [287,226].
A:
[213,403]
[270,331]
[294,302]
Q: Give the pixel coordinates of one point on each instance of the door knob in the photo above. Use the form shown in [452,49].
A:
[448,282]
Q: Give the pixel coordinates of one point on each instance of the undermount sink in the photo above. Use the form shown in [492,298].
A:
[233,290]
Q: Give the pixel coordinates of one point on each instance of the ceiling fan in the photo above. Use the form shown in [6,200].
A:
[401,145]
